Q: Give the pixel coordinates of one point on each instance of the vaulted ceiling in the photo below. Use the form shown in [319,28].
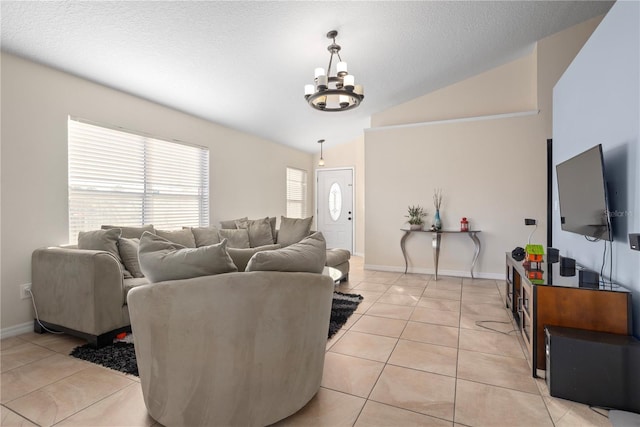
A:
[244,64]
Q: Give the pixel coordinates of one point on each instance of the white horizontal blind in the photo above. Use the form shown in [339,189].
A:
[296,193]
[126,179]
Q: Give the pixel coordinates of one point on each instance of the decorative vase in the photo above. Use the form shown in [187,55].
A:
[436,220]
[416,226]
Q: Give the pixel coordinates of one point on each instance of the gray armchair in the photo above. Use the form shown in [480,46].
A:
[232,349]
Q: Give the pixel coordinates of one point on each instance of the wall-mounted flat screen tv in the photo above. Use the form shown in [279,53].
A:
[582,194]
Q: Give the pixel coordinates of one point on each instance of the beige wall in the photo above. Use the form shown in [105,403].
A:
[248,174]
[478,165]
[491,171]
[349,155]
[505,89]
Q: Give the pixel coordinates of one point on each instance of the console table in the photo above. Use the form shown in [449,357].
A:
[436,237]
[539,297]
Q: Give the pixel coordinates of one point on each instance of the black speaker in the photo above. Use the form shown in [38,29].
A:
[518,253]
[553,255]
[567,266]
[588,279]
[594,368]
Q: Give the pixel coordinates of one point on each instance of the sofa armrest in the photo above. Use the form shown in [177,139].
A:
[78,289]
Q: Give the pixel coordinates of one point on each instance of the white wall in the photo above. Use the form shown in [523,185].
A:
[248,174]
[597,101]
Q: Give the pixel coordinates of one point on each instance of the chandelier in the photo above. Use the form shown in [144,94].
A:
[334,93]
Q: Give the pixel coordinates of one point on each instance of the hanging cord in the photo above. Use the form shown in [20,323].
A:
[611,262]
[534,230]
[479,323]
[604,260]
[594,409]
[33,301]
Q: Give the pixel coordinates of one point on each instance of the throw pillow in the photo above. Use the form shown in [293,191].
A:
[103,240]
[131,232]
[231,224]
[162,260]
[182,237]
[205,236]
[259,231]
[293,230]
[237,238]
[241,257]
[128,249]
[272,221]
[308,255]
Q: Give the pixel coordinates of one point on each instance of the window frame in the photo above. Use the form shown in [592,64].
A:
[140,178]
[303,200]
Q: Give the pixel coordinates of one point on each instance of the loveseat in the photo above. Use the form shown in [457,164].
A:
[83,292]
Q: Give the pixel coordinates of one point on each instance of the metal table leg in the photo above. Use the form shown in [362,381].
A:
[476,242]
[436,249]
[404,252]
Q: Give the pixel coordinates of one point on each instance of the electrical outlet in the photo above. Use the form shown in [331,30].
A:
[24,291]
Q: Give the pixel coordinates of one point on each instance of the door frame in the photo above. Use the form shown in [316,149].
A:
[353,200]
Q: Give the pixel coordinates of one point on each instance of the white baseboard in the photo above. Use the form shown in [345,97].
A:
[20,329]
[455,273]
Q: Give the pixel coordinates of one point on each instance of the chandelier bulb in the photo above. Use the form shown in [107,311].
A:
[341,68]
[308,90]
[319,72]
[349,81]
[321,83]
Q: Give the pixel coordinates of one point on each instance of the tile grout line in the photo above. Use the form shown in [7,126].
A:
[95,403]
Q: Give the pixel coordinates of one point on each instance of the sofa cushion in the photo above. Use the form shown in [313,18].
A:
[162,260]
[182,237]
[238,239]
[231,224]
[308,255]
[131,232]
[132,283]
[128,249]
[103,240]
[241,257]
[205,236]
[337,256]
[260,233]
[293,230]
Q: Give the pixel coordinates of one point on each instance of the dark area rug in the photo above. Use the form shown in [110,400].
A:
[121,356]
[342,307]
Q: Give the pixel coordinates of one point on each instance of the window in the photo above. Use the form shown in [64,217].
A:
[120,178]
[296,193]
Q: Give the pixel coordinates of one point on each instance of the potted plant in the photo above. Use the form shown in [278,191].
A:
[416,215]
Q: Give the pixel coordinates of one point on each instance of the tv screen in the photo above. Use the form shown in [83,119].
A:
[582,193]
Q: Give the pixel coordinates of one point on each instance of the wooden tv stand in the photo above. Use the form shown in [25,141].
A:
[540,297]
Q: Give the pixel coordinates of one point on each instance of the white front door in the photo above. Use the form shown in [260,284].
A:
[334,202]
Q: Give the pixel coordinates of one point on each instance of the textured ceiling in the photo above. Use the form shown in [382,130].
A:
[244,64]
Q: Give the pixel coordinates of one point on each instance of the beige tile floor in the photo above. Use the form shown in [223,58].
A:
[413,354]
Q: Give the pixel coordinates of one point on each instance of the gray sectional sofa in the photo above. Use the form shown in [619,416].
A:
[82,289]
